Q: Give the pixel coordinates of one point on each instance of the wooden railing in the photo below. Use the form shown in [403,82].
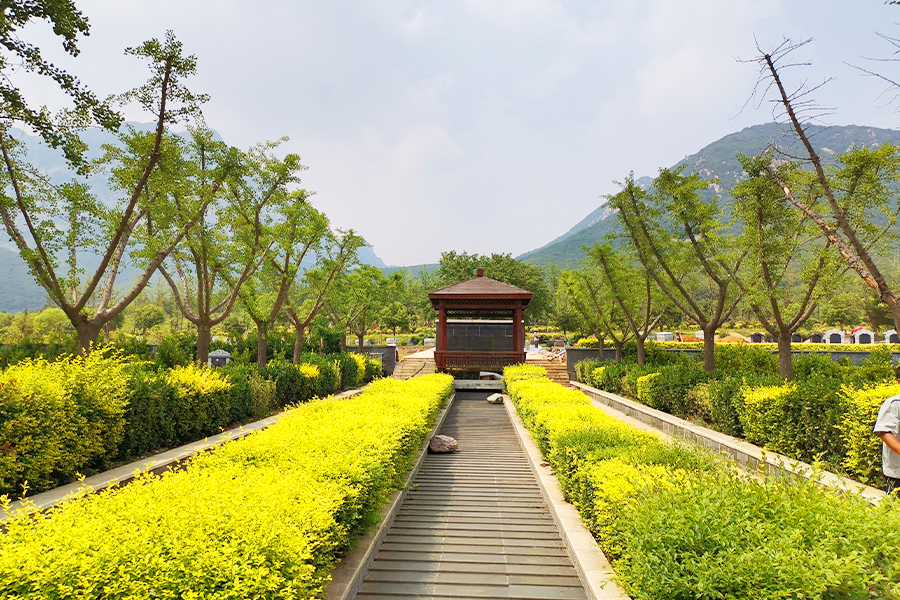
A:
[464,360]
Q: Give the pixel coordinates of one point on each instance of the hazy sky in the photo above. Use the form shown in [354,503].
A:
[485,126]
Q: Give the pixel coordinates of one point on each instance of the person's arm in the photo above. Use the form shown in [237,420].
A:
[890,440]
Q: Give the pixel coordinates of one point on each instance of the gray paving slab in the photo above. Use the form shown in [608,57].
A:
[474,523]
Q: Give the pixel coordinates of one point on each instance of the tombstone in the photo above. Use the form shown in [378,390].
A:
[757,338]
[428,341]
[663,336]
[796,338]
[864,336]
[834,336]
[891,337]
[219,358]
[390,342]
[816,338]
[700,335]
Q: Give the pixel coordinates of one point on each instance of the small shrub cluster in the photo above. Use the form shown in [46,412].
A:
[677,522]
[263,517]
[817,417]
[82,414]
[58,417]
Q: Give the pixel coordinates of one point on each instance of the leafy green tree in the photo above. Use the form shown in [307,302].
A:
[45,221]
[633,290]
[233,235]
[146,316]
[51,326]
[789,266]
[861,195]
[309,298]
[357,300]
[455,267]
[682,243]
[589,293]
[69,24]
[840,310]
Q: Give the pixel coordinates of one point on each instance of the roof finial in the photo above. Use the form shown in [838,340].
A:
[479,272]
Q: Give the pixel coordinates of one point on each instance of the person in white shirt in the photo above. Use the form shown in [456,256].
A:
[887,427]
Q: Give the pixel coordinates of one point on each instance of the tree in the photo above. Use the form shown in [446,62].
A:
[147,316]
[681,242]
[864,186]
[456,267]
[233,235]
[357,300]
[589,293]
[299,230]
[789,266]
[68,219]
[68,23]
[632,289]
[319,282]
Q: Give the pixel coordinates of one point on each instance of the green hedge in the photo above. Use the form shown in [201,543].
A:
[263,517]
[80,415]
[678,523]
[745,397]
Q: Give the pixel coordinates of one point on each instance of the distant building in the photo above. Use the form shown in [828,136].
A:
[835,336]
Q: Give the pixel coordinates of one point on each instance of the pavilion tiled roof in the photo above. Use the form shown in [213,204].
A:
[481,287]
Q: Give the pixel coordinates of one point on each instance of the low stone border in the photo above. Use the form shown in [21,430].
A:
[591,564]
[348,576]
[747,455]
[158,463]
[477,384]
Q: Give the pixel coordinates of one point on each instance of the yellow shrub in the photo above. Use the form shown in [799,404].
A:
[197,381]
[862,448]
[307,370]
[57,417]
[360,366]
[264,517]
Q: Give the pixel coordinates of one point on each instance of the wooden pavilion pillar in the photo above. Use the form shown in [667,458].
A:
[442,328]
[518,332]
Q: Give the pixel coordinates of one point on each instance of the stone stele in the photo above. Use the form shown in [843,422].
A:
[441,444]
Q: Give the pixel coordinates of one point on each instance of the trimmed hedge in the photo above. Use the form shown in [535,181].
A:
[263,517]
[75,414]
[745,397]
[57,417]
[677,522]
[862,450]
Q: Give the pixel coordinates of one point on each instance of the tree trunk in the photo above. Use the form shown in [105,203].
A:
[298,343]
[785,367]
[620,347]
[262,344]
[709,348]
[87,336]
[641,353]
[894,306]
[203,337]
[360,339]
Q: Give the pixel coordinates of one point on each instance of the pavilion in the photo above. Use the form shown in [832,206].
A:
[480,325]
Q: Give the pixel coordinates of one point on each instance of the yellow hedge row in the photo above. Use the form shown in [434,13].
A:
[677,523]
[57,416]
[264,517]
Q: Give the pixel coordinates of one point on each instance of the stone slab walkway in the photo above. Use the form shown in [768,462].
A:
[474,524]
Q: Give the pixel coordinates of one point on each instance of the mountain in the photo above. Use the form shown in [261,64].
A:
[18,290]
[718,159]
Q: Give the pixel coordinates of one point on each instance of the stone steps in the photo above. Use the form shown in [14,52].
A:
[411,367]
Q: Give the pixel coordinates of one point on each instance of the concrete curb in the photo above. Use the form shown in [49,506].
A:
[348,576]
[747,455]
[158,463]
[591,564]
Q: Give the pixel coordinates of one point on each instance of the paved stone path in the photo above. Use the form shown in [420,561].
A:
[474,525]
